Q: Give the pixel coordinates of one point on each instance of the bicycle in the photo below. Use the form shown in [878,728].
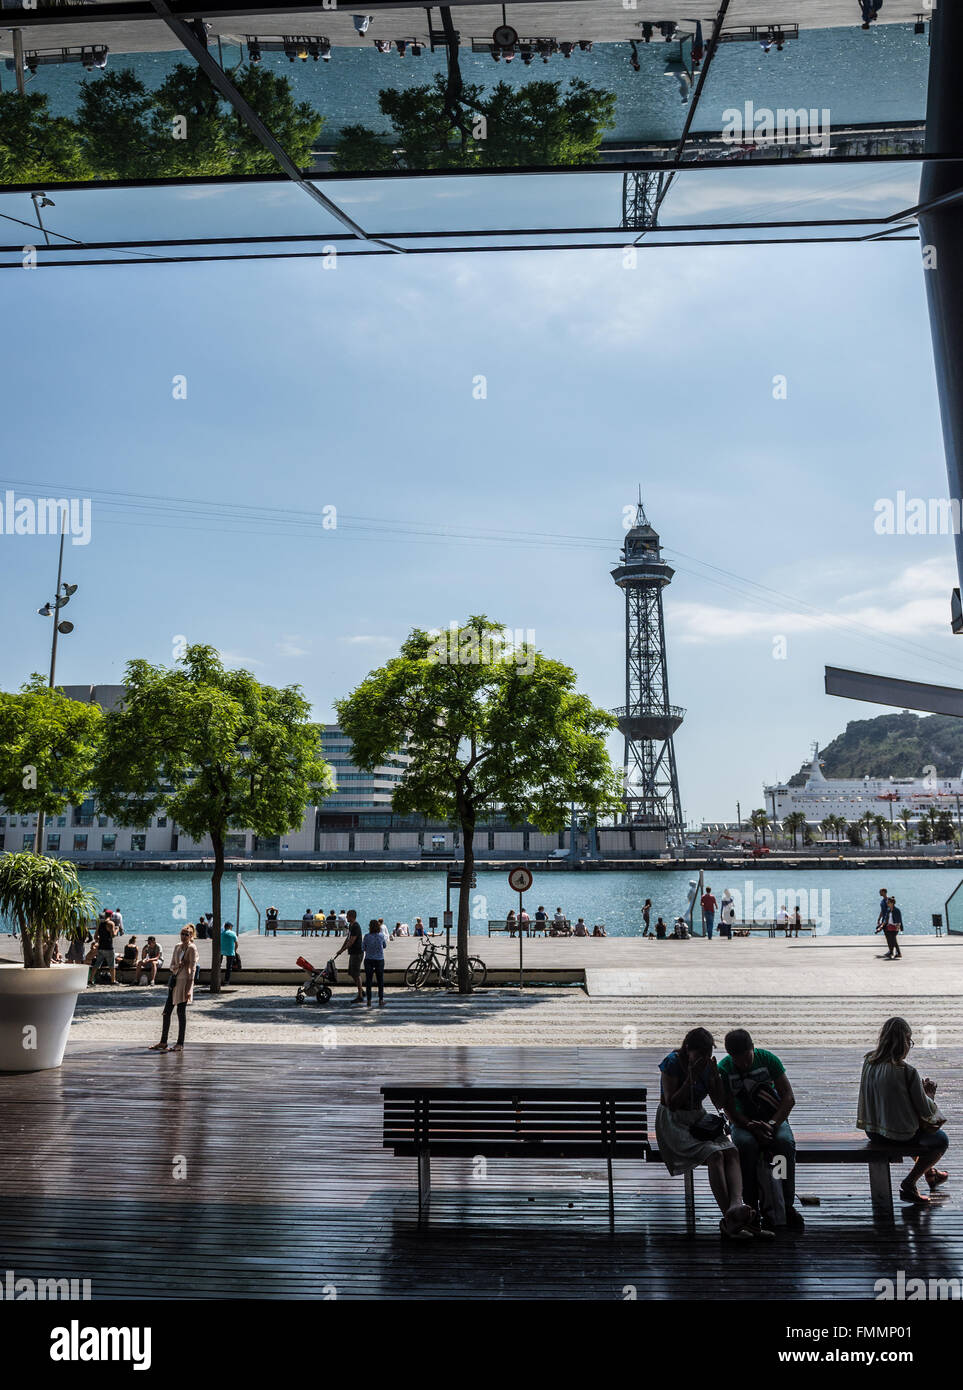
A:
[443,968]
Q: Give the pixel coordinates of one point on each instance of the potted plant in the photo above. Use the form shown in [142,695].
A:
[45,901]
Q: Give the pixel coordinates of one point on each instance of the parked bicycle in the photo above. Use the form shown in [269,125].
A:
[439,965]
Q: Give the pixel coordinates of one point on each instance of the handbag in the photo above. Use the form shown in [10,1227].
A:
[237,960]
[710,1125]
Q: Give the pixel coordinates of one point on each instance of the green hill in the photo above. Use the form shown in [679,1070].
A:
[893,745]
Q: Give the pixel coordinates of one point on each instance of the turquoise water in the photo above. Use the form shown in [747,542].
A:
[844,900]
[858,76]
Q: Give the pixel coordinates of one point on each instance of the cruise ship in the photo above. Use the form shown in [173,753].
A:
[822,796]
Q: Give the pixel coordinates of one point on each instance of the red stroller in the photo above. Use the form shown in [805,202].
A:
[320,982]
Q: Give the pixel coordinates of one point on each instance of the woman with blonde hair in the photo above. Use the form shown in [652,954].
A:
[181,991]
[897,1108]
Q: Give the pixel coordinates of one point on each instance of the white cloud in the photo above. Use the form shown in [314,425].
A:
[369,640]
[911,602]
[288,646]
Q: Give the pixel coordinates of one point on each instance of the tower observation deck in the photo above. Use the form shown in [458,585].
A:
[647,720]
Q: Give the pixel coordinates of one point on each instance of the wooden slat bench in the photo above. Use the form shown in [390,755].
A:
[825,1148]
[295,924]
[531,1122]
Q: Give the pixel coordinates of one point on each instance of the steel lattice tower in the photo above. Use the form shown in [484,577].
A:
[647,721]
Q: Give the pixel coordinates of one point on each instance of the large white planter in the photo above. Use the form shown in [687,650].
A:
[36,1008]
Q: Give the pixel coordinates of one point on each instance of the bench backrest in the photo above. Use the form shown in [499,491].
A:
[507,1119]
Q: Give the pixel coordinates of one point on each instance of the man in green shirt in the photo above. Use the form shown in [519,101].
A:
[759,1101]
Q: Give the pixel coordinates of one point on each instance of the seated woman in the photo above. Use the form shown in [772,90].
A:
[599,930]
[897,1108]
[511,922]
[689,1075]
[128,961]
[660,930]
[419,927]
[580,928]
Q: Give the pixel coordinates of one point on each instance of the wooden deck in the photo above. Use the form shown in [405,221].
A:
[288,1192]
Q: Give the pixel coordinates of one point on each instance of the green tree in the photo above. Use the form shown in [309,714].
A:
[482,728]
[36,147]
[906,816]
[115,127]
[189,128]
[535,125]
[213,749]
[879,825]
[793,823]
[759,820]
[43,897]
[362,151]
[295,125]
[48,749]
[441,126]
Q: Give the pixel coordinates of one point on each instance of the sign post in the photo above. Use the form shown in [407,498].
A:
[520,880]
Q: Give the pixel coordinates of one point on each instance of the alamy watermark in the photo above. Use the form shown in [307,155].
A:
[467,646]
[916,516]
[21,1289]
[45,516]
[915,1290]
[786,125]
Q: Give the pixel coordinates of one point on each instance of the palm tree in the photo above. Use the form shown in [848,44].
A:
[828,826]
[879,825]
[906,816]
[45,901]
[794,822]
[759,820]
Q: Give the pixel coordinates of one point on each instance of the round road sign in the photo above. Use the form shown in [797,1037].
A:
[505,36]
[520,880]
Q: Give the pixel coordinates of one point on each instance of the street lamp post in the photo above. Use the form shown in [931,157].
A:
[51,610]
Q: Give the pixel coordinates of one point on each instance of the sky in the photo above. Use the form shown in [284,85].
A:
[355,388]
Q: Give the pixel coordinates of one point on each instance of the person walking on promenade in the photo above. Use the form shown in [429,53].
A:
[891,924]
[646,911]
[898,1108]
[181,991]
[708,912]
[374,961]
[883,909]
[105,950]
[689,1136]
[760,1098]
[228,949]
[355,949]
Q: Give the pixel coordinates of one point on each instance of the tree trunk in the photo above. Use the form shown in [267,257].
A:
[464,898]
[217,840]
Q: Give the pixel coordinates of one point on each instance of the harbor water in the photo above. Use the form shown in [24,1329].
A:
[842,902]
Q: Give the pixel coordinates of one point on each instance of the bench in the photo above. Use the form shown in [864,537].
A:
[531,926]
[534,1122]
[769,927]
[824,1148]
[295,924]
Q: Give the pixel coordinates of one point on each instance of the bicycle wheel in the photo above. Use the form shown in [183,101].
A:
[479,971]
[417,973]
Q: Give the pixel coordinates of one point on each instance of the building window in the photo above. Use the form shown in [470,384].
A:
[28,841]
[61,821]
[53,843]
[80,842]
[108,842]
[161,822]
[3,821]
[138,841]
[101,821]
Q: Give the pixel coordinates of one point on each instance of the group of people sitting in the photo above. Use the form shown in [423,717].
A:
[747,1142]
[338,923]
[559,925]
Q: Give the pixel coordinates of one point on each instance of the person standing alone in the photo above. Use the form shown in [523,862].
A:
[374,961]
[891,926]
[708,912]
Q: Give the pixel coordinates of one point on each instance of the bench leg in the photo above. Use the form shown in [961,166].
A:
[689,1203]
[424,1180]
[611,1196]
[881,1190]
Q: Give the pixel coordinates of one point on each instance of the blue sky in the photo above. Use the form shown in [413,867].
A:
[352,388]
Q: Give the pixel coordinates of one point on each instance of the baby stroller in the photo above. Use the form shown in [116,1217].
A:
[319,984]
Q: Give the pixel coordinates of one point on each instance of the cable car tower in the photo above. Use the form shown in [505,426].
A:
[647,721]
